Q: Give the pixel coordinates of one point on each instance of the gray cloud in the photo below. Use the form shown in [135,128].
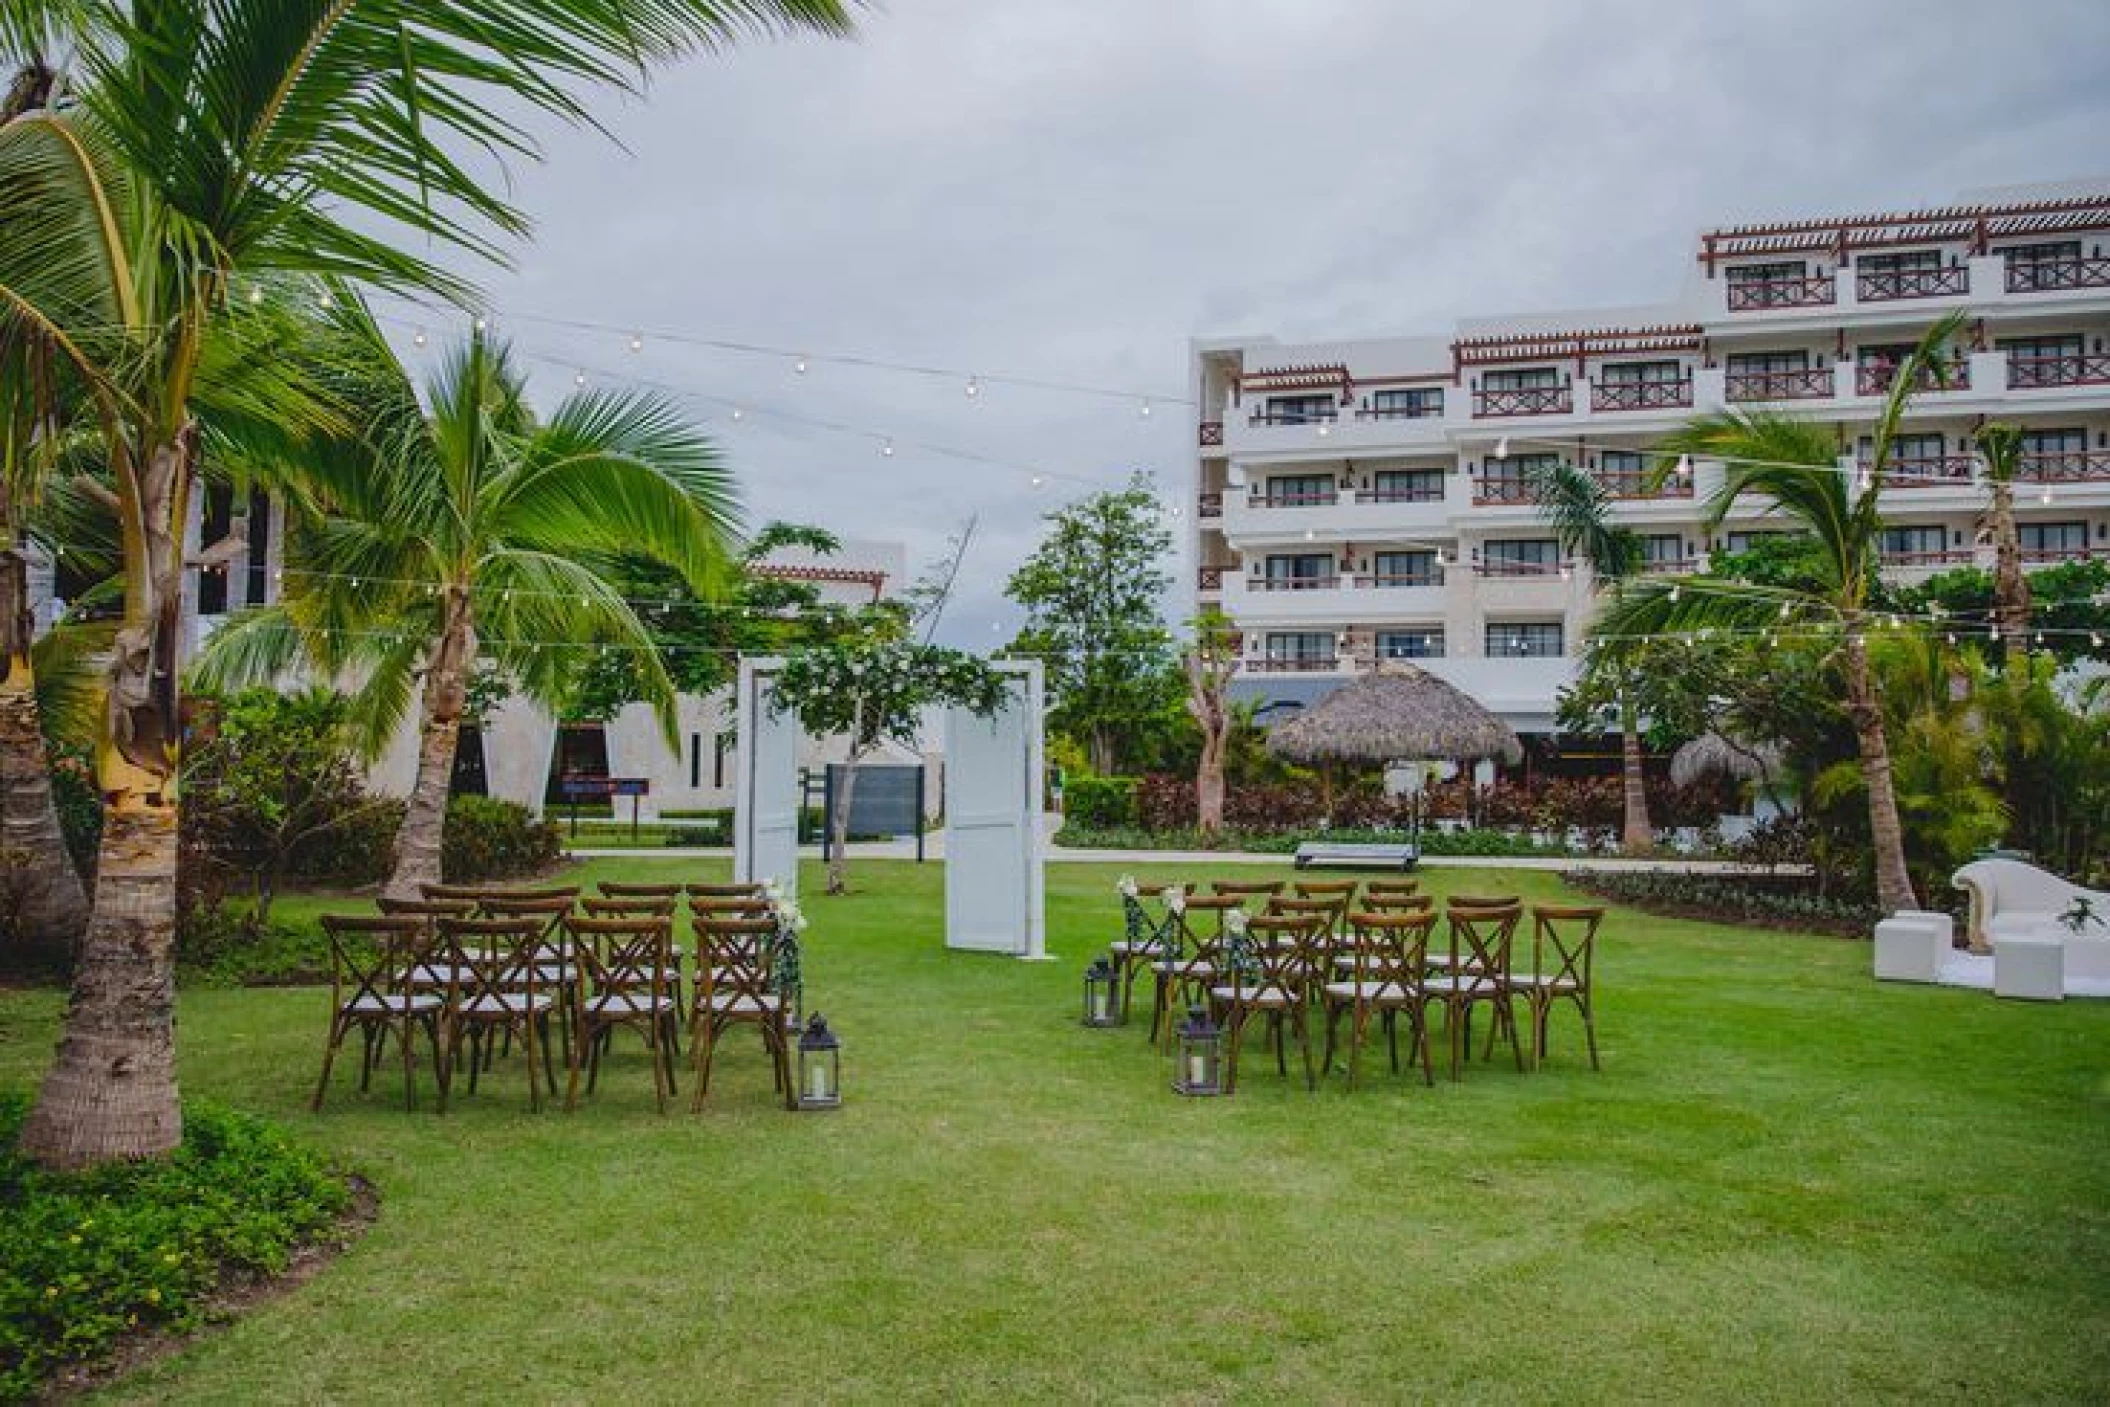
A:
[1069,191]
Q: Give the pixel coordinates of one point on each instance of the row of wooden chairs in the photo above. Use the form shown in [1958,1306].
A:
[491,965]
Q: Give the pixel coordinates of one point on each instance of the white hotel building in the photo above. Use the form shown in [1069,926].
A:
[1350,504]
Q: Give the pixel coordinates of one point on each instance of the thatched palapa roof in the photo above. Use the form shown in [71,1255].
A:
[1711,752]
[1398,714]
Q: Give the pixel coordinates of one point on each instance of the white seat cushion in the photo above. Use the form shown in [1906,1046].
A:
[1254,996]
[1368,991]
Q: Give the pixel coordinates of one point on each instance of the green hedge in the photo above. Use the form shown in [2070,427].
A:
[490,839]
[1433,842]
[86,1258]
[1100,803]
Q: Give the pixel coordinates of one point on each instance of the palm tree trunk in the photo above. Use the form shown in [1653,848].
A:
[1886,832]
[418,839]
[1638,836]
[1209,785]
[1102,750]
[2010,586]
[111,1093]
[51,909]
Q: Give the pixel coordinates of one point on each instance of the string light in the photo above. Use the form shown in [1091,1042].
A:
[887,450]
[1684,466]
[637,343]
[2045,495]
[483,324]
[1674,590]
[418,338]
[738,414]
[974,388]
[1325,428]
[1502,448]
[578,379]
[799,366]
[1145,411]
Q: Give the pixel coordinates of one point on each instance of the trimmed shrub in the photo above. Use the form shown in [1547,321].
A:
[358,850]
[1759,901]
[1103,802]
[86,1258]
[486,838]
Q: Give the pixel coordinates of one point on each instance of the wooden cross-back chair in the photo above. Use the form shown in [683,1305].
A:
[730,906]
[1481,901]
[1342,889]
[1194,935]
[502,986]
[1381,974]
[625,969]
[1375,887]
[1144,940]
[1264,973]
[628,906]
[742,890]
[1563,952]
[428,909]
[1247,888]
[735,967]
[1477,974]
[371,992]
[612,889]
[1332,912]
[1398,903]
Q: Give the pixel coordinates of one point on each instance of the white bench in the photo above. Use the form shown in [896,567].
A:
[2030,966]
[2010,898]
[1370,857]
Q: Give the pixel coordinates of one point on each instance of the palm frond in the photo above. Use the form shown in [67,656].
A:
[68,664]
[1579,510]
[259,646]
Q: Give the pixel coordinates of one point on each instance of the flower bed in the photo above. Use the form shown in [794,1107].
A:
[1761,901]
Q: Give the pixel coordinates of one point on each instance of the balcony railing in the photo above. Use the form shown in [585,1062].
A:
[1810,384]
[1537,571]
[1890,285]
[1670,566]
[1292,664]
[1420,410]
[1874,378]
[1292,498]
[1211,433]
[2057,554]
[1294,417]
[1930,471]
[1210,505]
[1412,495]
[1524,400]
[2031,373]
[1501,490]
[1405,579]
[1295,583]
[1209,578]
[1755,295]
[1641,395]
[2065,467]
[1639,483]
[1945,557]
[2055,275]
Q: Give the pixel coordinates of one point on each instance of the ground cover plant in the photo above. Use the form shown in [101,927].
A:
[1787,1182]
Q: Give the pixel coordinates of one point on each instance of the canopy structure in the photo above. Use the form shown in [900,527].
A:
[1711,752]
[1398,714]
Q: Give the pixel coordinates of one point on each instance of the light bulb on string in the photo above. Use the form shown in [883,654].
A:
[1674,592]
[1684,466]
[256,294]
[1783,610]
[974,388]
[1502,448]
[1325,428]
[2095,639]
[799,366]
[886,449]
[2045,495]
[417,339]
[1145,411]
[738,414]
[578,379]
[483,324]
[1037,481]
[637,343]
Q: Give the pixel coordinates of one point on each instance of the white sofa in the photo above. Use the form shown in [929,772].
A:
[2010,898]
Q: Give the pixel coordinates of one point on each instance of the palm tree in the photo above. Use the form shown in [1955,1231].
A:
[467,530]
[1791,464]
[203,149]
[2001,445]
[1579,510]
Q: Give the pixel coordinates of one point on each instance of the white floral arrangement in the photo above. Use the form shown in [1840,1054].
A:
[790,917]
[1175,898]
[773,890]
[1127,885]
[1234,922]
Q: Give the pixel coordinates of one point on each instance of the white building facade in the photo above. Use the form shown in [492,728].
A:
[1358,501]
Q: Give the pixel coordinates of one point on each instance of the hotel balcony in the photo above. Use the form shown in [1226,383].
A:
[1893,285]
[1209,505]
[1812,384]
[1874,378]
[2057,275]
[1524,400]
[1641,395]
[1641,485]
[1945,471]
[1758,295]
[2077,466]
[1357,514]
[1296,664]
[1348,596]
[2036,373]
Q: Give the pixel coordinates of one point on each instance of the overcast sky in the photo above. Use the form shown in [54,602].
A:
[1071,190]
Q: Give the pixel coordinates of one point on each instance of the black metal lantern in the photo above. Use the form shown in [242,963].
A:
[1198,1063]
[1102,994]
[820,1066]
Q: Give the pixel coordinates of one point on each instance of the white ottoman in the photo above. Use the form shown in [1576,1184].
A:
[1912,945]
[2030,966]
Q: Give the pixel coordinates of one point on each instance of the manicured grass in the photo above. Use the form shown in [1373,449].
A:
[1788,1183]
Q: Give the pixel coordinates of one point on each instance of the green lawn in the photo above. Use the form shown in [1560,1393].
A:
[1787,1184]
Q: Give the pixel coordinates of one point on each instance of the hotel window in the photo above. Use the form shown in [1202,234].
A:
[1907,261]
[1409,644]
[1509,480]
[1528,378]
[1908,450]
[1403,569]
[1307,570]
[1640,373]
[1885,353]
[1300,646]
[1410,403]
[2053,264]
[1299,410]
[2062,251]
[1918,541]
[1290,490]
[1662,549]
[2049,538]
[1407,486]
[1767,363]
[1524,639]
[1780,272]
[1531,556]
[2061,441]
[2035,348]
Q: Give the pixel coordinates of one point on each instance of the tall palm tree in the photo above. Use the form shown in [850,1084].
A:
[201,149]
[2001,446]
[467,530]
[1579,510]
[1791,464]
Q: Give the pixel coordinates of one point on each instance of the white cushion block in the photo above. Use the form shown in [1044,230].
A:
[2088,959]
[1911,946]
[2030,966]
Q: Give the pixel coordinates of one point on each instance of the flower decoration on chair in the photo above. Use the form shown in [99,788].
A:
[1238,948]
[785,974]
[1126,884]
[1175,899]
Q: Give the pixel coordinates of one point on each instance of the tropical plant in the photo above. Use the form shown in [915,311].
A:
[2000,445]
[199,151]
[1091,592]
[1210,660]
[466,529]
[1578,507]
[875,692]
[1791,464]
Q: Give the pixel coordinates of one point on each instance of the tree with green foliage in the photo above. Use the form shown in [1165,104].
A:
[875,692]
[466,529]
[1792,464]
[1091,592]
[194,154]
